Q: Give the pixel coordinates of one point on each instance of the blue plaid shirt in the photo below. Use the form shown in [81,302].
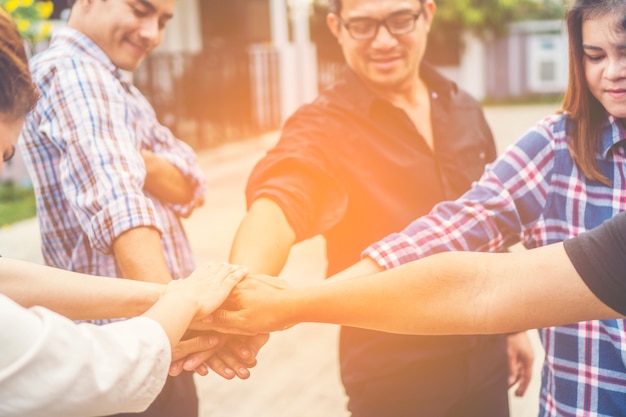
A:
[535,193]
[82,148]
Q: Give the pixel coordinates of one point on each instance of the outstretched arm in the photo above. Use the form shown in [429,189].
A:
[264,238]
[74,295]
[448,293]
[88,297]
[262,243]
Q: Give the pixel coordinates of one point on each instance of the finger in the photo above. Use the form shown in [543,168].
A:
[176,368]
[248,347]
[216,364]
[202,370]
[235,275]
[231,360]
[524,380]
[226,321]
[204,343]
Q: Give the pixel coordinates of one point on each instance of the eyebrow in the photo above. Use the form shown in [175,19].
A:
[395,12]
[619,47]
[593,48]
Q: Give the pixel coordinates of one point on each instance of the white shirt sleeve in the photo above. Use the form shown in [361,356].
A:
[51,366]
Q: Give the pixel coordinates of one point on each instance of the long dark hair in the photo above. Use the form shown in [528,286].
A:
[586,112]
[18,95]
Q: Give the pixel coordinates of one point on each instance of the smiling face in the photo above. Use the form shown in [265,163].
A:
[385,61]
[126,30]
[604,46]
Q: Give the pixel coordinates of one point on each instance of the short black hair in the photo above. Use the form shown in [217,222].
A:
[334,6]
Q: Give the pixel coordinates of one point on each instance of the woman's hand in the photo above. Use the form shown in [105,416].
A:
[207,287]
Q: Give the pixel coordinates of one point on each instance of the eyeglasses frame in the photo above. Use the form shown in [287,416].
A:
[379,23]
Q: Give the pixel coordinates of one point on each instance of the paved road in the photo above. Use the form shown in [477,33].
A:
[297,375]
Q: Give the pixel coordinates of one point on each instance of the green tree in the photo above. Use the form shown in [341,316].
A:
[493,16]
[31,17]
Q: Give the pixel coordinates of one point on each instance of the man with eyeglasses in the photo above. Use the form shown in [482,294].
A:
[390,140]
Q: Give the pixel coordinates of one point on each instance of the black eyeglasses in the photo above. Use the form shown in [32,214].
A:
[364,28]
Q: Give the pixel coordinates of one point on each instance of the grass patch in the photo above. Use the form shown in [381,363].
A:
[16,203]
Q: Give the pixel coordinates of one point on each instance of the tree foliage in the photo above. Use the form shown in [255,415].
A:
[30,16]
[493,16]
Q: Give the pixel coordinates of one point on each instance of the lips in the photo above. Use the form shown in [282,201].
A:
[384,63]
[616,92]
[141,49]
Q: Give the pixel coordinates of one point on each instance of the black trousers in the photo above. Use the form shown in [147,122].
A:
[467,384]
[177,399]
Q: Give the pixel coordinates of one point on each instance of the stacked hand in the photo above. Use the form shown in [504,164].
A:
[228,340]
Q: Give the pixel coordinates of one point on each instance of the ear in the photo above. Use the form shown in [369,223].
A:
[429,12]
[332,21]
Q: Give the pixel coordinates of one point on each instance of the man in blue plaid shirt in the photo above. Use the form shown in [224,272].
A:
[111,182]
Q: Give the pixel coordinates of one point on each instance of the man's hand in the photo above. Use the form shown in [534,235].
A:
[257,305]
[226,355]
[164,181]
[520,358]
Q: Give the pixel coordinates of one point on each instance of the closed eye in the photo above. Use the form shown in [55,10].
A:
[595,58]
[8,155]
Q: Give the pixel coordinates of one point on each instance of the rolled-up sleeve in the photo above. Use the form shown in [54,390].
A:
[182,156]
[101,167]
[492,215]
[298,176]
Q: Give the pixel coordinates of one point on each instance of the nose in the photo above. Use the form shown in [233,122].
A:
[384,39]
[150,30]
[616,69]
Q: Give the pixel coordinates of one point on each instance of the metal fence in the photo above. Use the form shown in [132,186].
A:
[211,98]
[220,95]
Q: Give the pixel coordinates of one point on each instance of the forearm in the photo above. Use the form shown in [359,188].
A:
[365,266]
[173,312]
[457,293]
[263,240]
[74,295]
[166,182]
[139,255]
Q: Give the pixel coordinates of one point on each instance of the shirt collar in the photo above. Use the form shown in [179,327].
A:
[614,134]
[440,87]
[80,44]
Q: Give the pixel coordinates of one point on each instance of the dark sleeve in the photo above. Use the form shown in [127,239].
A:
[298,175]
[599,257]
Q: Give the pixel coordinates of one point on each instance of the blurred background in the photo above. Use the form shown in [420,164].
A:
[229,70]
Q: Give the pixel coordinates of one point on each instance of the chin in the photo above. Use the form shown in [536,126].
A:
[129,66]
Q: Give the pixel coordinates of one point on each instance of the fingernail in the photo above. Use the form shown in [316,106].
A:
[208,319]
[229,372]
[213,340]
[243,371]
[189,365]
[245,352]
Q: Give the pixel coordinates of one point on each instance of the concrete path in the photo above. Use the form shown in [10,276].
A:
[297,375]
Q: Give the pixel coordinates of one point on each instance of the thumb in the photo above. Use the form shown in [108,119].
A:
[227,321]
